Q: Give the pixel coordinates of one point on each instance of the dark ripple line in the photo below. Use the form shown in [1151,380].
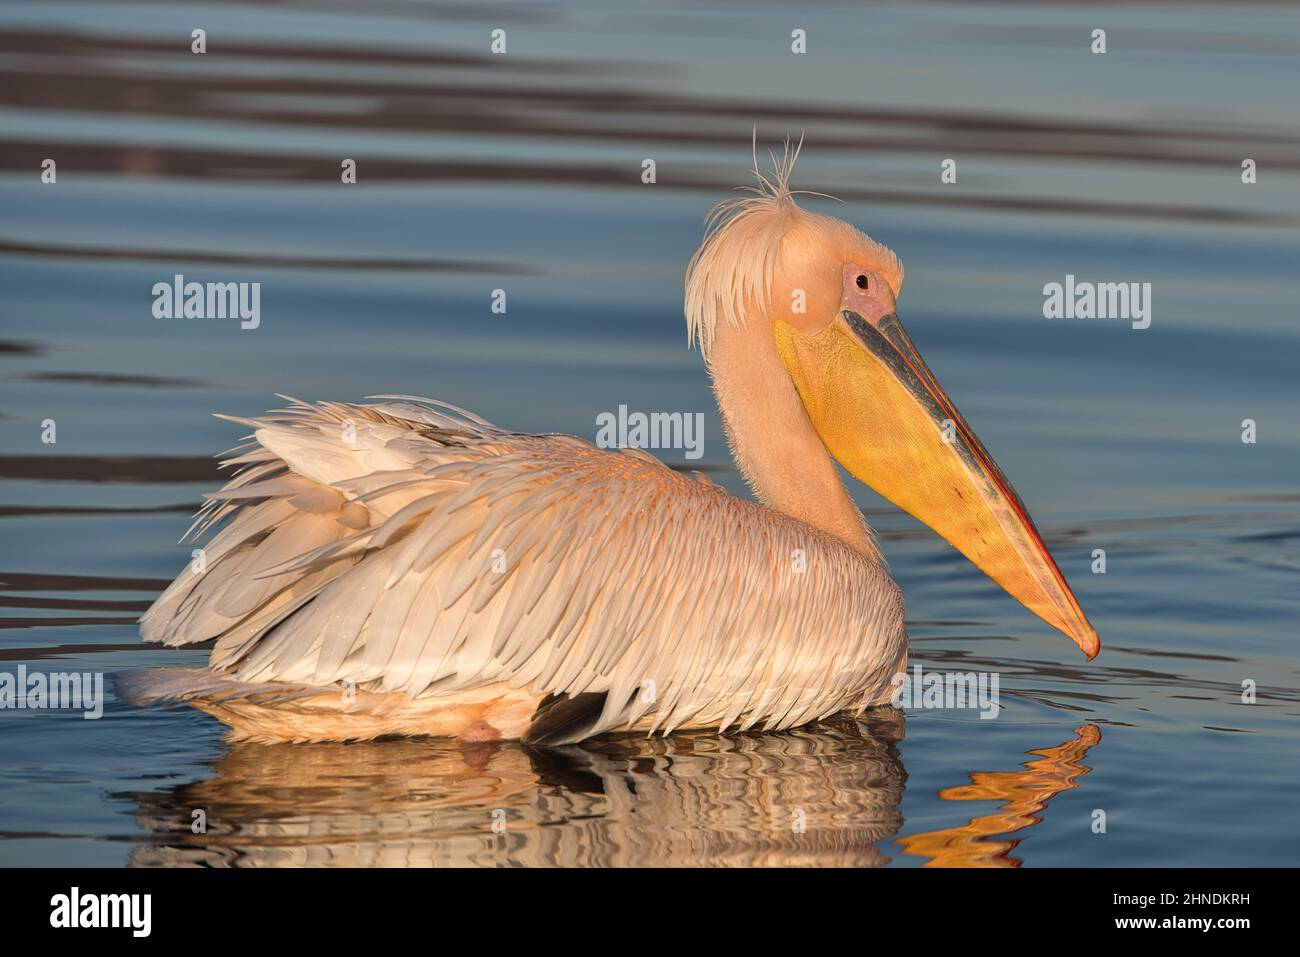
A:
[116,379]
[207,164]
[18,347]
[260,260]
[111,468]
[53,581]
[61,651]
[62,622]
[162,92]
[30,511]
[72,604]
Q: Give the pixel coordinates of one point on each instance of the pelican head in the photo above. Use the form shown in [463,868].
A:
[796,315]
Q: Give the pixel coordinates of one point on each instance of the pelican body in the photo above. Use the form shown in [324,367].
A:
[403,567]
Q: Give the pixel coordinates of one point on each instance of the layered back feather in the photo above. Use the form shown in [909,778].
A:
[408,546]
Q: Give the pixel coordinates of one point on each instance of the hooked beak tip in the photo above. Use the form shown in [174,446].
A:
[1086,637]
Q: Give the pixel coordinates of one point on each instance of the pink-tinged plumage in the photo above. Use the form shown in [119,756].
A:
[405,567]
[683,605]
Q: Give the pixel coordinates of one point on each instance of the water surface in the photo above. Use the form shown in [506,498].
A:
[522,172]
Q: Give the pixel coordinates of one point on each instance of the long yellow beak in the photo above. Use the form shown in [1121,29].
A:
[882,414]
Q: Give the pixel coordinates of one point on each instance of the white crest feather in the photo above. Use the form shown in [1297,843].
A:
[732,270]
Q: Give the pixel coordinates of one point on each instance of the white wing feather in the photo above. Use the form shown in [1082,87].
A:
[409,546]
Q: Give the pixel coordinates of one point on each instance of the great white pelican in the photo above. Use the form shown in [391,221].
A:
[405,567]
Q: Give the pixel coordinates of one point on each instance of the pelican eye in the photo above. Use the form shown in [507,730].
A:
[862,282]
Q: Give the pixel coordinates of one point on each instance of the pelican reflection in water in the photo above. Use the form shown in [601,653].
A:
[406,568]
[825,794]
[1024,794]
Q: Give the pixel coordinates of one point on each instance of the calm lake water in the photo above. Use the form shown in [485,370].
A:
[522,172]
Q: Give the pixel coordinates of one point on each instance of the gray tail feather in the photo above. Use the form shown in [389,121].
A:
[150,686]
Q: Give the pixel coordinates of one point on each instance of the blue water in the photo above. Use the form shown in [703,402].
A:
[522,172]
